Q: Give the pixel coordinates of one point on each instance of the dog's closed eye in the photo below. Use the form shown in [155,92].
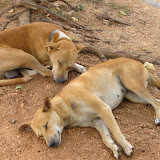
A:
[59,63]
[46,126]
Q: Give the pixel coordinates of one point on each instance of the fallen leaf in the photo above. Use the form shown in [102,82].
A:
[75,19]
[123,13]
[149,66]
[19,87]
[72,38]
[48,15]
[11,11]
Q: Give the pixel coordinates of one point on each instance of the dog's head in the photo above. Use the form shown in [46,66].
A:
[46,124]
[63,55]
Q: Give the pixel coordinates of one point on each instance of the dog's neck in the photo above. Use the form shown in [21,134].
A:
[60,107]
[58,35]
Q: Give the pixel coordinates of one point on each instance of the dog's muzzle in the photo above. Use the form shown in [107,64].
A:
[55,141]
[61,80]
[52,144]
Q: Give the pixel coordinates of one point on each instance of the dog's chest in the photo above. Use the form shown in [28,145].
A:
[82,115]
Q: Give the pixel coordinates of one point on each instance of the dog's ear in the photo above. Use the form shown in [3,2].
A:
[46,104]
[24,127]
[80,46]
[49,46]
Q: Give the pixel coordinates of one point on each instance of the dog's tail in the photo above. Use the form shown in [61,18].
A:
[7,82]
[153,81]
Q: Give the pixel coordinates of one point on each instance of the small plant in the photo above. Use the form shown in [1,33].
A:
[81,6]
[114,6]
[123,10]
[75,19]
[96,1]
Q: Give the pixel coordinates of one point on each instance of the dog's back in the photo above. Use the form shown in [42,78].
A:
[28,37]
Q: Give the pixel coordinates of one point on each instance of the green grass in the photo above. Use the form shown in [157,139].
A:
[119,7]
[96,1]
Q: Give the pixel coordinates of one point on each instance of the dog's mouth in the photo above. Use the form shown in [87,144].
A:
[55,140]
[59,79]
[54,144]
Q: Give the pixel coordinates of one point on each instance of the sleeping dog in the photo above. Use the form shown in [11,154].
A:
[88,101]
[32,45]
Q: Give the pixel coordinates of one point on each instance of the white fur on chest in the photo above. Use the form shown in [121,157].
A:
[82,116]
[63,35]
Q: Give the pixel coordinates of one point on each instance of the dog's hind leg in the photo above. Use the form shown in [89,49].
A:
[153,81]
[30,72]
[12,58]
[32,63]
[27,72]
[7,82]
[134,98]
[137,85]
[99,124]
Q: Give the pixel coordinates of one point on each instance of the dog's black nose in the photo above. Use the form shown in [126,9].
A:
[52,144]
[61,80]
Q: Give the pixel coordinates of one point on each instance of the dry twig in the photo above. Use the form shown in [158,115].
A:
[105,54]
[112,20]
[44,8]
[12,19]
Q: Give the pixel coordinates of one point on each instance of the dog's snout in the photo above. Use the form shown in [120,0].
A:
[54,141]
[52,144]
[61,80]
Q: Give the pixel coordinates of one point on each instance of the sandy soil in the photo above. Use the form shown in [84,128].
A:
[135,120]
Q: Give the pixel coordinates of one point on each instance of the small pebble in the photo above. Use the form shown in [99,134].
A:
[22,105]
[106,22]
[13,121]
[143,150]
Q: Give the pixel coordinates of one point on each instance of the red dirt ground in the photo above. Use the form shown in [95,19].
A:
[135,120]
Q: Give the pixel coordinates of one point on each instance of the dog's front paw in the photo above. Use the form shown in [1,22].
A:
[79,68]
[157,121]
[82,69]
[48,73]
[117,151]
[128,150]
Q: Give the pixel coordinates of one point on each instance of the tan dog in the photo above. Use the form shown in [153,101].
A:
[32,45]
[88,101]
